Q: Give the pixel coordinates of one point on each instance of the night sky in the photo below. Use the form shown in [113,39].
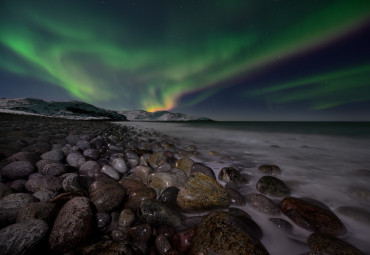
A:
[228,60]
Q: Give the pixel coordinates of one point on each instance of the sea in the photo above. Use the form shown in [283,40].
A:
[326,161]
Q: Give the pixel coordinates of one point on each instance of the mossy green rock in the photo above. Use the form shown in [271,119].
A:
[202,192]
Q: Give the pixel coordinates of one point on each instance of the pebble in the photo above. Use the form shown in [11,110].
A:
[39,210]
[111,172]
[202,192]
[72,226]
[232,238]
[91,154]
[270,169]
[103,219]
[142,173]
[23,238]
[10,206]
[312,217]
[17,170]
[75,159]
[83,145]
[169,195]
[163,180]
[272,186]
[158,213]
[18,185]
[4,190]
[131,185]
[120,165]
[126,219]
[44,195]
[235,197]
[199,167]
[230,174]
[44,182]
[51,167]
[182,240]
[156,159]
[55,155]
[162,244]
[262,204]
[330,245]
[106,194]
[185,164]
[135,198]
[89,168]
[71,183]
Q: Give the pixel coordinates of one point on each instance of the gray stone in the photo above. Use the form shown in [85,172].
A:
[11,204]
[39,210]
[56,155]
[17,170]
[44,182]
[44,195]
[142,173]
[110,171]
[51,167]
[83,145]
[71,183]
[22,238]
[75,159]
[158,213]
[263,204]
[120,165]
[272,186]
[91,154]
[89,168]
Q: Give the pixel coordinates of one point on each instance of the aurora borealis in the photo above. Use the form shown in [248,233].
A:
[229,60]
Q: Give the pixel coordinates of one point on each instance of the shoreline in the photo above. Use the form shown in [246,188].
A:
[80,166]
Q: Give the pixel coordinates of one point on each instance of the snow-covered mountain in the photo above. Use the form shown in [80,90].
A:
[140,115]
[81,110]
[69,110]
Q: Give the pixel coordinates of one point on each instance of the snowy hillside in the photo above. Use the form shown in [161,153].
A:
[140,115]
[69,110]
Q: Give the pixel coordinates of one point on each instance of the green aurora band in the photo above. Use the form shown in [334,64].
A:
[99,57]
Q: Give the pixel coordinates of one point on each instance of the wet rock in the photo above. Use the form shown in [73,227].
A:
[55,155]
[4,190]
[91,154]
[262,204]
[182,240]
[10,206]
[23,156]
[158,213]
[270,169]
[75,159]
[50,167]
[167,231]
[23,238]
[39,210]
[126,219]
[281,224]
[156,159]
[162,244]
[169,195]
[360,194]
[136,197]
[239,212]
[72,226]
[83,145]
[230,174]
[71,183]
[103,219]
[142,173]
[249,225]
[174,177]
[120,165]
[356,213]
[140,235]
[107,247]
[199,167]
[44,182]
[17,170]
[18,185]
[272,186]
[231,236]
[202,192]
[89,168]
[131,185]
[106,194]
[111,172]
[312,217]
[185,164]
[330,245]
[235,197]
[118,235]
[44,195]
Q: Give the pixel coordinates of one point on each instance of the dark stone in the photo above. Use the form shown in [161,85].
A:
[126,218]
[107,247]
[75,159]
[89,168]
[72,226]
[39,210]
[18,185]
[131,185]
[222,233]
[270,169]
[312,217]
[140,235]
[44,182]
[4,190]
[17,170]
[136,197]
[262,204]
[162,244]
[330,245]
[157,158]
[44,195]
[23,238]
[91,154]
[158,213]
[71,183]
[281,224]
[235,197]
[106,194]
[169,195]
[55,155]
[230,174]
[10,206]
[103,219]
[272,186]
[50,167]
[182,240]
[199,167]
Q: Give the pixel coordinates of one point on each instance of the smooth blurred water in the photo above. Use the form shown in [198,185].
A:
[320,160]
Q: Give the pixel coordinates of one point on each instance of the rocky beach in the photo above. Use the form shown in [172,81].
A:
[94,187]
